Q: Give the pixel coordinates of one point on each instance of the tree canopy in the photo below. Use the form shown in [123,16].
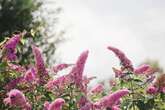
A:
[27,15]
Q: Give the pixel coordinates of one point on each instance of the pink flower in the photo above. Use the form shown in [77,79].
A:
[10,47]
[111,100]
[59,82]
[163,90]
[46,105]
[41,70]
[83,100]
[30,75]
[112,83]
[57,104]
[122,57]
[76,73]
[87,106]
[13,83]
[97,89]
[17,98]
[115,108]
[85,83]
[152,90]
[87,80]
[60,67]
[151,71]
[141,69]
[118,73]
[17,68]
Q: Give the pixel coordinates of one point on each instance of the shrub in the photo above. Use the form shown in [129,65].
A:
[37,86]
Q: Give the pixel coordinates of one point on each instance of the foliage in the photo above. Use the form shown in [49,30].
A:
[17,15]
[39,87]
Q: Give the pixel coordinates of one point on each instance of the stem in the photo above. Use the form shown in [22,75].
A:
[132,88]
[71,95]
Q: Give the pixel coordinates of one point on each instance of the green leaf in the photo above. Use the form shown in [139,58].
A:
[32,32]
[3,66]
[141,105]
[137,80]
[162,96]
[23,41]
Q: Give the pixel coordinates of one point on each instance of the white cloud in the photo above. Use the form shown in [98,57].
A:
[135,26]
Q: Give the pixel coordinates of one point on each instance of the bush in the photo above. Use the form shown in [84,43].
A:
[38,87]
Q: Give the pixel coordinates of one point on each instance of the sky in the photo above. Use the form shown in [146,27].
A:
[137,27]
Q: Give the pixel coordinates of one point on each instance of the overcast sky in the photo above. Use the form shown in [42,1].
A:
[135,26]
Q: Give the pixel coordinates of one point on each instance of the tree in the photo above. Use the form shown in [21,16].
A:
[27,15]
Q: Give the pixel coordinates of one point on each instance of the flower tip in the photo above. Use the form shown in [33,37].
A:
[126,90]
[60,100]
[111,48]
[97,89]
[142,69]
[57,104]
[86,52]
